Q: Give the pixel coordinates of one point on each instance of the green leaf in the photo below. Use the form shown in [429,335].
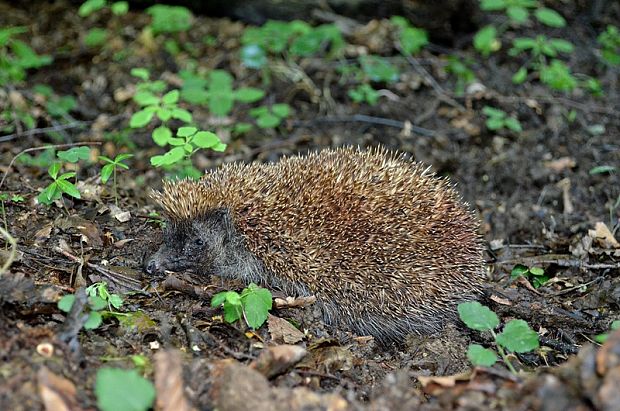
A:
[54,169]
[485,40]
[122,157]
[68,188]
[140,119]
[268,120]
[123,390]
[518,270]
[537,271]
[120,8]
[379,69]
[549,17]
[90,6]
[562,45]
[94,320]
[141,73]
[494,123]
[493,5]
[171,97]
[281,110]
[520,76]
[50,194]
[175,141]
[477,316]
[206,139]
[249,94]
[412,39]
[182,114]
[513,124]
[232,312]
[115,301]
[233,298]
[66,302]
[97,303]
[75,154]
[480,356]
[161,135]
[220,103]
[164,114]
[518,337]
[218,299]
[493,112]
[220,147]
[95,37]
[517,14]
[146,98]
[186,131]
[602,169]
[170,19]
[257,302]
[106,172]
[171,157]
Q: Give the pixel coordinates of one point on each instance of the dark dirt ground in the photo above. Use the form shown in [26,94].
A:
[533,192]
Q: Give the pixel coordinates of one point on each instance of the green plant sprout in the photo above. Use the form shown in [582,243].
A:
[216,92]
[253,305]
[486,41]
[536,275]
[60,185]
[89,7]
[16,57]
[100,289]
[110,170]
[188,141]
[379,69]
[165,107]
[464,75]
[518,11]
[498,119]
[609,40]
[517,336]
[169,19]
[558,76]
[270,117]
[364,93]
[411,39]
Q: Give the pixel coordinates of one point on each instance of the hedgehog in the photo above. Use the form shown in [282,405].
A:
[387,247]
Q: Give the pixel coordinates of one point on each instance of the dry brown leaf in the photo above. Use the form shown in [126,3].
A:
[293,302]
[43,234]
[88,229]
[57,393]
[603,236]
[278,359]
[169,382]
[283,332]
[500,300]
[560,164]
[328,355]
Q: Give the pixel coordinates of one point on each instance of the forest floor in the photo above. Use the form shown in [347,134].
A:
[548,197]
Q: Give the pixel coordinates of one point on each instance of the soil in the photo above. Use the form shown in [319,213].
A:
[539,202]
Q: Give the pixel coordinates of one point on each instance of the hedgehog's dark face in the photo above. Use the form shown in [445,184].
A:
[200,244]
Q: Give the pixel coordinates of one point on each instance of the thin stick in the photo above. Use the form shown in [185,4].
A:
[28,150]
[13,253]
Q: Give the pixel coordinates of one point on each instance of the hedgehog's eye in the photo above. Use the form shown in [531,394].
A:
[199,242]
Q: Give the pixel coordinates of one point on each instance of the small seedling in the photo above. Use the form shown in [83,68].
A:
[188,141]
[60,185]
[486,41]
[464,75]
[364,93]
[270,117]
[541,46]
[123,390]
[609,41]
[536,275]
[92,6]
[602,338]
[602,170]
[169,19]
[517,336]
[110,170]
[16,57]
[74,154]
[253,305]
[411,39]
[518,11]
[100,290]
[498,119]
[558,76]
[379,69]
[99,298]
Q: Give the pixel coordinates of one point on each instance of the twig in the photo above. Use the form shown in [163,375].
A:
[35,131]
[561,260]
[362,118]
[430,80]
[13,252]
[124,280]
[8,169]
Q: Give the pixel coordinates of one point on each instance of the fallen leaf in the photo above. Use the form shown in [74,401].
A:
[603,236]
[276,360]
[169,382]
[283,331]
